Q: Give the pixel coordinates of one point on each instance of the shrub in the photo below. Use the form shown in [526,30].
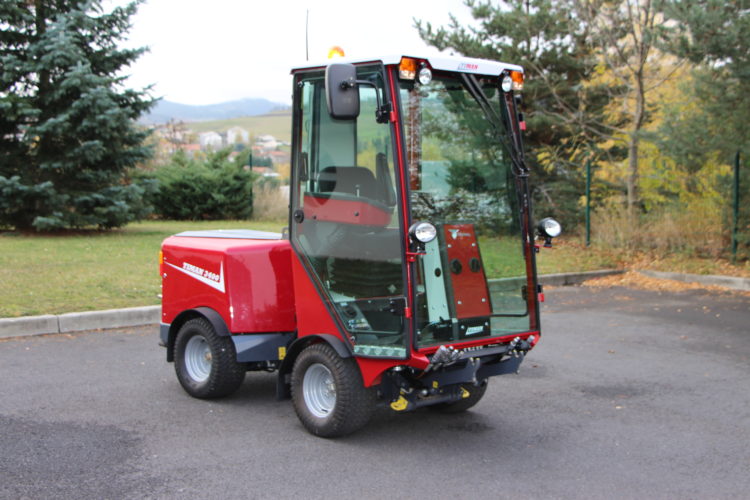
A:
[693,227]
[207,188]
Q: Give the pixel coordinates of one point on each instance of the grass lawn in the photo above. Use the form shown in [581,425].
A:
[503,258]
[90,270]
[86,271]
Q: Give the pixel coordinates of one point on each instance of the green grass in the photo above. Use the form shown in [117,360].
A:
[502,257]
[90,270]
[277,124]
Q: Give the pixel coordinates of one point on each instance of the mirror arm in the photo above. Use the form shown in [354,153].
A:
[383,111]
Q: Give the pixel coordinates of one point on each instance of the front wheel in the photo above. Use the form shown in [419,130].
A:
[472,394]
[205,363]
[328,394]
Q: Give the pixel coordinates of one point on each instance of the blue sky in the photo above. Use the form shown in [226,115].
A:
[207,52]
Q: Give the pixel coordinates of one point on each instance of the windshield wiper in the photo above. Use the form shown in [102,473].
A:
[513,146]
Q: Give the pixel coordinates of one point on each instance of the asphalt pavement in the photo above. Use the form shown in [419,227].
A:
[629,394]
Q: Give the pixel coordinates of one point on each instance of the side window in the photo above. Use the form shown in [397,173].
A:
[341,156]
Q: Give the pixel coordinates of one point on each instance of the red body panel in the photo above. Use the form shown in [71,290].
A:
[470,293]
[248,282]
[312,314]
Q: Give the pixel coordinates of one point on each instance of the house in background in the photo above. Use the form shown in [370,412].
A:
[190,149]
[237,135]
[266,142]
[210,140]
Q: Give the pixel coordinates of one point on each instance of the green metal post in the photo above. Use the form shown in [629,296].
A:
[736,211]
[588,202]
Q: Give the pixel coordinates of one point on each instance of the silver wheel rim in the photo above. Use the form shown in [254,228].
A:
[319,390]
[198,358]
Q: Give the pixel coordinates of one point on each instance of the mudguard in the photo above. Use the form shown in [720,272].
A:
[209,314]
[285,370]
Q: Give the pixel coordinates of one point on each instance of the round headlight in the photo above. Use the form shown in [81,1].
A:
[423,232]
[507,84]
[550,227]
[425,75]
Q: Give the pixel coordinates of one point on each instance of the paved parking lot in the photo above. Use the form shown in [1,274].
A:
[630,394]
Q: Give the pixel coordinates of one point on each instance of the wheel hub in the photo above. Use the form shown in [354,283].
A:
[319,390]
[198,358]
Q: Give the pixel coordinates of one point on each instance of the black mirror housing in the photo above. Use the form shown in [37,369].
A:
[342,92]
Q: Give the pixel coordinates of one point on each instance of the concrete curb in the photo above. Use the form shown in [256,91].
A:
[151,315]
[80,321]
[566,279]
[703,279]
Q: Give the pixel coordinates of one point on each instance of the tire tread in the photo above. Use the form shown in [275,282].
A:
[226,375]
[354,402]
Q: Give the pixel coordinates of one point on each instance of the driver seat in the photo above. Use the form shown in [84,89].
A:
[356,181]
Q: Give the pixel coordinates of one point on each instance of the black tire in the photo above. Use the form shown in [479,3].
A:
[205,363]
[344,407]
[475,394]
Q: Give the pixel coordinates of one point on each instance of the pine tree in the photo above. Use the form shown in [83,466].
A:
[563,110]
[715,35]
[67,122]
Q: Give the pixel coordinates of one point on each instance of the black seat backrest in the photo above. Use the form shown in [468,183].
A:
[357,181]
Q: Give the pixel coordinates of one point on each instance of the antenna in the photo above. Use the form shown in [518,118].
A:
[307,22]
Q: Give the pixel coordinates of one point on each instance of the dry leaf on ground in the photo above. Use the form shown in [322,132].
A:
[633,279]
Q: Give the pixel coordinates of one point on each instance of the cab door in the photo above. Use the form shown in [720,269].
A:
[345,224]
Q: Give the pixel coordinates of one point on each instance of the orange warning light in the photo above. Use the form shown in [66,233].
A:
[335,51]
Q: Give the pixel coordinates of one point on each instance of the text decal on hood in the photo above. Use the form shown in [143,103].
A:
[211,279]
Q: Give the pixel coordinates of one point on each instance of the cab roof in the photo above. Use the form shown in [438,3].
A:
[445,63]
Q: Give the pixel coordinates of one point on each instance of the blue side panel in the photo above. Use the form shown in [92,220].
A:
[260,346]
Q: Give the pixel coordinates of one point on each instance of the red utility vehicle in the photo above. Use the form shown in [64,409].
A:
[407,274]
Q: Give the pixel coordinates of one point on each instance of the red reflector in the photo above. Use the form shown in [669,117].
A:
[540,296]
[523,125]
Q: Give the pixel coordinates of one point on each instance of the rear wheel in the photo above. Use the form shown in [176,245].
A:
[475,393]
[328,394]
[205,363]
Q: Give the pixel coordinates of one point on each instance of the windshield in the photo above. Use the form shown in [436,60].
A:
[472,279]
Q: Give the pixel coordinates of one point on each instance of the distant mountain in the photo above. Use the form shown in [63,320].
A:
[168,110]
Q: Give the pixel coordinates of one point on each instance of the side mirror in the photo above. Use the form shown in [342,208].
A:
[548,228]
[342,92]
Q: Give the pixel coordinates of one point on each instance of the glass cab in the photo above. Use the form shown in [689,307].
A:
[448,155]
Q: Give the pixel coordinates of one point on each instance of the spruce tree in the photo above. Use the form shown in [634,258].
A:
[67,121]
